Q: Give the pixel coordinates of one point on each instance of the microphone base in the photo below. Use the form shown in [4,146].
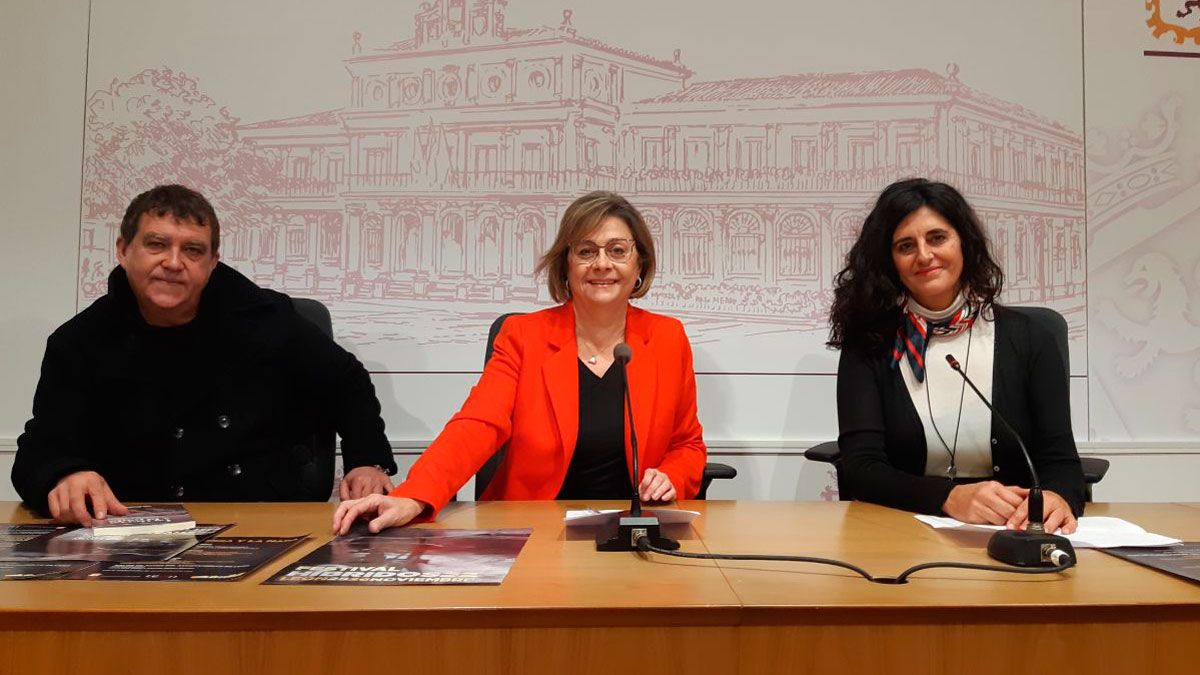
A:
[1027,549]
[629,529]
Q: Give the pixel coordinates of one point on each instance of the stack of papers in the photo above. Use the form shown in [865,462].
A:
[1093,532]
[145,519]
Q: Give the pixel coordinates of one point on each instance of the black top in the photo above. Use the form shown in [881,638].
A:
[882,440]
[240,404]
[598,469]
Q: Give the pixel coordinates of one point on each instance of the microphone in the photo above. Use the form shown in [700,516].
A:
[632,525]
[1033,547]
[622,355]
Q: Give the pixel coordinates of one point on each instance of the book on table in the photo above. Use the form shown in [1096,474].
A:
[145,519]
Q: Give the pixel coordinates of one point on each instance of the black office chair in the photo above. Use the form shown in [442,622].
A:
[316,312]
[1094,468]
[483,477]
[319,471]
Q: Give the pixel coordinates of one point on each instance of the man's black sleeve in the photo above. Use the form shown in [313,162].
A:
[54,443]
[346,394]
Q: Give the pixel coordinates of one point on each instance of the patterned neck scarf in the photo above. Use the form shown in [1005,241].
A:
[919,324]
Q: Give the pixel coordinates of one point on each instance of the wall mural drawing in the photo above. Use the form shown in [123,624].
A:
[417,210]
[1144,192]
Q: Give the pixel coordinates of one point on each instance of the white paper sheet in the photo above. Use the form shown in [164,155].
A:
[1093,532]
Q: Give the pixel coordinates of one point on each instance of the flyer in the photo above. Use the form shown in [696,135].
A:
[409,557]
[80,544]
[12,534]
[1182,561]
[26,570]
[215,559]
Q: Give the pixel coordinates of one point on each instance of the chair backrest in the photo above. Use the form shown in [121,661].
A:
[1094,468]
[484,476]
[316,312]
[320,469]
[1056,324]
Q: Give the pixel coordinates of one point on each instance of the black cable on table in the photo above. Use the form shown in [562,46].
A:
[643,544]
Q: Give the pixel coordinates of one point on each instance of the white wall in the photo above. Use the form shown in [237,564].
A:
[43,62]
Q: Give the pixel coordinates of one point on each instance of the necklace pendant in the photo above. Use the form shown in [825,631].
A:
[952,472]
[591,360]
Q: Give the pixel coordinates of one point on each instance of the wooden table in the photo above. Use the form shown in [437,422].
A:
[1105,616]
[567,609]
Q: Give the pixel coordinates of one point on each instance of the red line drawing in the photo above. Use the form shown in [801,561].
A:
[443,179]
[1142,199]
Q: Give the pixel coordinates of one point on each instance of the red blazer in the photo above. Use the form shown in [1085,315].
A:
[528,396]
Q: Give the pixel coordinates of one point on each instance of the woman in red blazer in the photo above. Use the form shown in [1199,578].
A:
[545,390]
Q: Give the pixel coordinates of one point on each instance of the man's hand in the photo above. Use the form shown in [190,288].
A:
[363,481]
[1056,514]
[988,502]
[656,487]
[68,501]
[383,512]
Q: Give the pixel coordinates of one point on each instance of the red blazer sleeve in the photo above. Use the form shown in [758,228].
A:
[686,453]
[474,434]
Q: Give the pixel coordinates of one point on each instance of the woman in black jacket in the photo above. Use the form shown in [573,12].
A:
[920,284]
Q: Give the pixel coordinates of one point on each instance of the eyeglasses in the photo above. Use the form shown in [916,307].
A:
[617,250]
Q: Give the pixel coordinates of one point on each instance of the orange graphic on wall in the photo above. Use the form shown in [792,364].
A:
[1179,13]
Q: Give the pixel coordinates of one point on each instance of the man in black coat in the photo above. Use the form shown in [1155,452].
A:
[189,382]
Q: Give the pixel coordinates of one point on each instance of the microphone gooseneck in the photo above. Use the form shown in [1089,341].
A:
[632,526]
[622,355]
[1035,490]
[1032,547]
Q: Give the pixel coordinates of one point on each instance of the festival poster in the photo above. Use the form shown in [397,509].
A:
[216,559]
[409,557]
[12,534]
[1182,561]
[82,544]
[41,570]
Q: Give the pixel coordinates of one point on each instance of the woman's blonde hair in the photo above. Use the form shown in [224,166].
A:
[581,218]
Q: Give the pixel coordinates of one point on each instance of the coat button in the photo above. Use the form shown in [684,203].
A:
[996,469]
[223,421]
[234,469]
[179,491]
[994,441]
[178,433]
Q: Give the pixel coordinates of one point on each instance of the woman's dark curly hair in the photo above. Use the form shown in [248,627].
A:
[866,296]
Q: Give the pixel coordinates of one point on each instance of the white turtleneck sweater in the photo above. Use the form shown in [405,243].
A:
[943,389]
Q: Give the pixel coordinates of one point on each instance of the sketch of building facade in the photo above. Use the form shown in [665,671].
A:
[444,176]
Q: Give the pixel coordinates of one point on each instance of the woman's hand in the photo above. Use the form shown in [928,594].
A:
[987,502]
[382,511]
[656,487]
[1056,514]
